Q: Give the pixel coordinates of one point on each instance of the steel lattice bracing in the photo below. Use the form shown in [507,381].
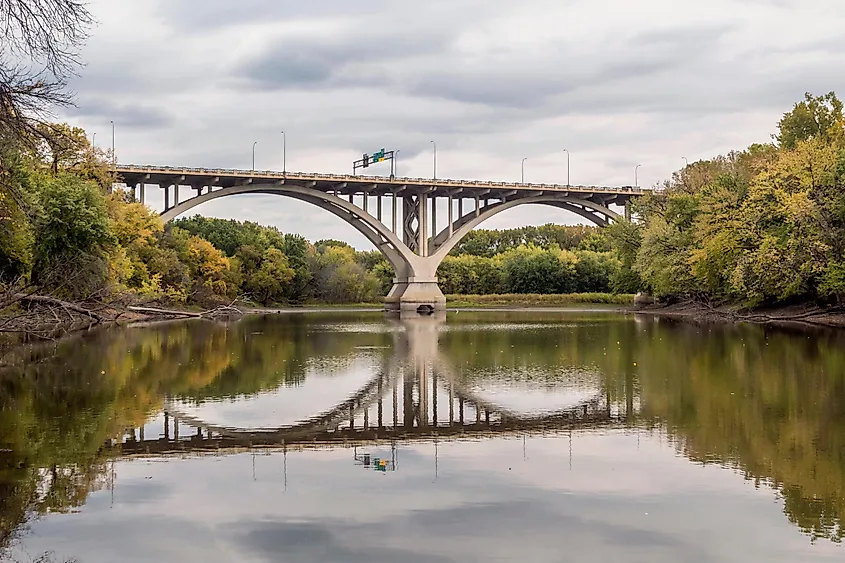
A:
[411,242]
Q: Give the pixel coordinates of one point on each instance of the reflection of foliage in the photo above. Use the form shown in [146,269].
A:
[769,403]
[56,412]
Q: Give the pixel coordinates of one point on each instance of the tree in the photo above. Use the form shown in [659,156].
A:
[297,249]
[71,234]
[816,117]
[268,284]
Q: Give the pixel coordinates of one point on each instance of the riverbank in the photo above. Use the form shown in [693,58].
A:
[536,300]
[49,318]
[690,311]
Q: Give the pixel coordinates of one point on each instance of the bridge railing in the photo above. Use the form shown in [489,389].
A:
[374,179]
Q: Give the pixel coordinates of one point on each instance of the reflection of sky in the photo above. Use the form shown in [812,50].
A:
[525,400]
[625,498]
[530,391]
[287,405]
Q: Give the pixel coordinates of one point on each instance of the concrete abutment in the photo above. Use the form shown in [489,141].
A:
[409,295]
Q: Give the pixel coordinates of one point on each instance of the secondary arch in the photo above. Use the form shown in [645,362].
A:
[443,243]
[400,257]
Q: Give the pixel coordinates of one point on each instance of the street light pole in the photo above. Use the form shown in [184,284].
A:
[685,160]
[253,155]
[284,154]
[567,167]
[636,177]
[94,141]
[435,159]
[113,155]
[395,160]
[523,169]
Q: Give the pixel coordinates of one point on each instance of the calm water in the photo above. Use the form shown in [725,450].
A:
[531,437]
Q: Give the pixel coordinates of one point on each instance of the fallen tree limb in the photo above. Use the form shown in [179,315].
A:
[222,311]
[66,305]
[168,312]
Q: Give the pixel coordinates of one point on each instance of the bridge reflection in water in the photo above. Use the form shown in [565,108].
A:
[415,395]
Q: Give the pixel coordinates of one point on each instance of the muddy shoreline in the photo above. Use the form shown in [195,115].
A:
[791,315]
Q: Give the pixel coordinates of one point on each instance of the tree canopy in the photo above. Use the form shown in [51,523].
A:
[760,226]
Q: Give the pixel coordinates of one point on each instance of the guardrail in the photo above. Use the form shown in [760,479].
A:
[354,178]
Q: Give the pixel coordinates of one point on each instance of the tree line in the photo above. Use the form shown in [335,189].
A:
[66,232]
[760,226]
[546,259]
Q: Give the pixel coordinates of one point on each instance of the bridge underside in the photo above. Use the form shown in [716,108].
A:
[414,223]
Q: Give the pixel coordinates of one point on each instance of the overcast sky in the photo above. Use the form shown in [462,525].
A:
[617,83]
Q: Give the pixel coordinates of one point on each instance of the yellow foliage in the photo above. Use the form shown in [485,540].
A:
[120,266]
[132,222]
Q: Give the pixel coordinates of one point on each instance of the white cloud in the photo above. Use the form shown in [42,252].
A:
[618,84]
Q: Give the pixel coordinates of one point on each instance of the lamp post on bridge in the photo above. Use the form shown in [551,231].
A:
[523,169]
[284,154]
[253,155]
[395,160]
[435,159]
[113,155]
[94,141]
[686,162]
[636,176]
[567,167]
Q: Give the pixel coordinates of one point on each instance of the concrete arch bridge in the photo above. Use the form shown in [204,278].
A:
[399,216]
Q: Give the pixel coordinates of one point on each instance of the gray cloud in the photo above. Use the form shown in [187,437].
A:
[224,13]
[196,82]
[318,542]
[130,115]
[341,59]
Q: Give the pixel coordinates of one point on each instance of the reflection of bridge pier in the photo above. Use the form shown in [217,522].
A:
[414,412]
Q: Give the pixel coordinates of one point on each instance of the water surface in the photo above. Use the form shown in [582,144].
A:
[520,436]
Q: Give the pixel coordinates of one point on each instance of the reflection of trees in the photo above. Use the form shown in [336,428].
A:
[63,404]
[267,353]
[768,403]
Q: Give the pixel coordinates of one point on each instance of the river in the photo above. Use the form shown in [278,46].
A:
[497,436]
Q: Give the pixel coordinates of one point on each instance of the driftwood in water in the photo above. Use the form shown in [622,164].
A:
[224,311]
[167,312]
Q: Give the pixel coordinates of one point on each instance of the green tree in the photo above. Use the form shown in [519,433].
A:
[269,282]
[816,117]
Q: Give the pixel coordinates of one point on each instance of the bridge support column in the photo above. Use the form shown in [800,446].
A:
[416,286]
[409,294]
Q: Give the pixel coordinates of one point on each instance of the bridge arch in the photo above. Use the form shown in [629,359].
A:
[442,243]
[404,262]
[416,257]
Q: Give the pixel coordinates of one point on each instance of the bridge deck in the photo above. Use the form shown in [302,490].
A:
[348,184]
[351,437]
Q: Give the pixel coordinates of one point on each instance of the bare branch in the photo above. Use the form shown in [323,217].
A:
[45,32]
[38,54]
